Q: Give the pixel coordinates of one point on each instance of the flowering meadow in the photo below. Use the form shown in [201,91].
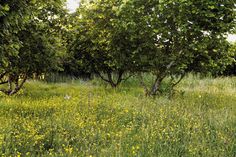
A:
[87,118]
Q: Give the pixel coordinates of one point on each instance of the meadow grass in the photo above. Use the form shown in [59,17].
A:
[87,118]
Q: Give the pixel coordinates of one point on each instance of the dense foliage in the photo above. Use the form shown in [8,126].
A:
[115,39]
[167,38]
[29,40]
[100,45]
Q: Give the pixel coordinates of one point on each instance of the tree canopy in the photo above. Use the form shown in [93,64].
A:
[167,38]
[28,40]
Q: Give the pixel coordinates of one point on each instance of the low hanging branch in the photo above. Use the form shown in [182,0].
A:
[14,85]
[173,84]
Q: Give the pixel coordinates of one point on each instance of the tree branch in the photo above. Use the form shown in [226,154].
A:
[126,78]
[177,82]
[18,87]
[119,79]
[102,77]
[10,91]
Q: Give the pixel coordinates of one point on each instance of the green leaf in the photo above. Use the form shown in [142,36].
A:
[6,7]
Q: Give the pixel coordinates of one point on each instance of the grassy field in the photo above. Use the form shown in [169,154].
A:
[89,119]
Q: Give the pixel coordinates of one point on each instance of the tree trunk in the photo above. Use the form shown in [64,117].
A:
[155,87]
[13,85]
[113,82]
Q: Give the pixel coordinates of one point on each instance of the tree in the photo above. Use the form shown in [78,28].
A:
[29,40]
[184,35]
[101,44]
[167,38]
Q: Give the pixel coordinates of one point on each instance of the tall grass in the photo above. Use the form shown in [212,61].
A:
[89,119]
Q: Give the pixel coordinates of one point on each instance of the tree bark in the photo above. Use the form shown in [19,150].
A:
[156,86]
[154,89]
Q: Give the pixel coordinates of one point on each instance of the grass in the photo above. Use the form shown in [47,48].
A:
[90,119]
